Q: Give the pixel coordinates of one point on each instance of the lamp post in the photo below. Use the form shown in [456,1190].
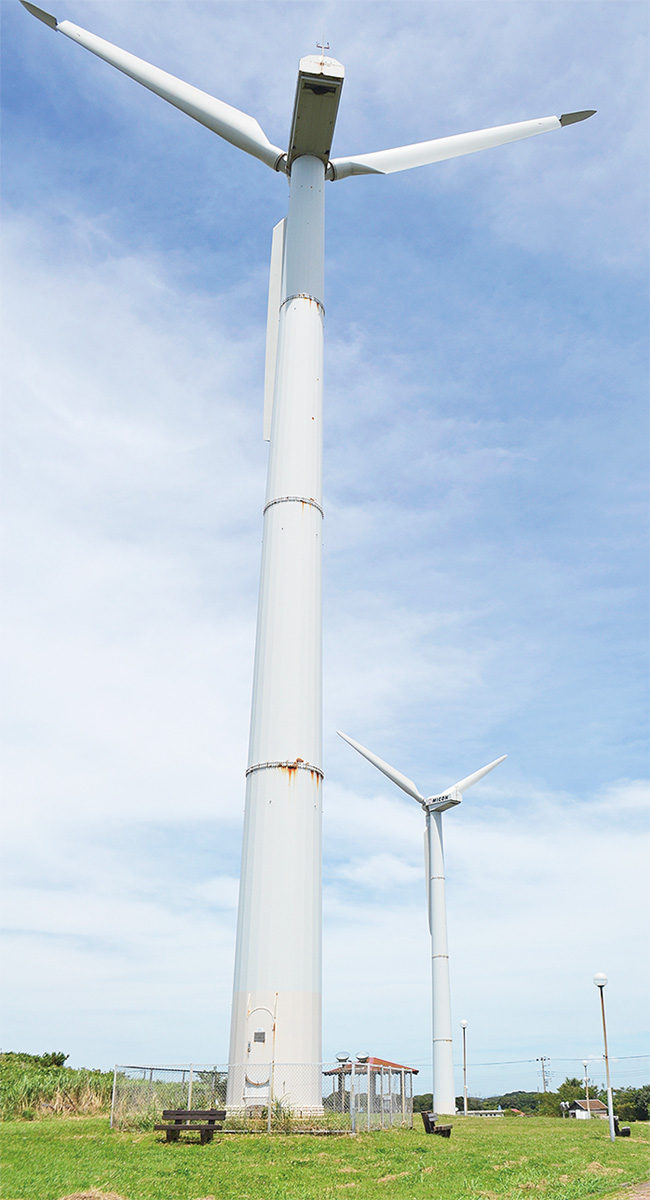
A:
[587,1088]
[600,981]
[463,1026]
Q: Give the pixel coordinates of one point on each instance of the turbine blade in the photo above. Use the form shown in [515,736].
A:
[402,158]
[45,17]
[470,780]
[229,123]
[573,118]
[402,782]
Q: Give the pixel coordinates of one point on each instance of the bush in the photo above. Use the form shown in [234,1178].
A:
[34,1085]
[631,1104]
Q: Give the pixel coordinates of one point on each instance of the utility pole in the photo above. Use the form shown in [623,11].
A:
[543,1061]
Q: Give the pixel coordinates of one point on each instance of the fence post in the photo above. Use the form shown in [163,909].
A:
[113,1095]
[403,1082]
[353,1115]
[189,1086]
[271,1086]
[369,1077]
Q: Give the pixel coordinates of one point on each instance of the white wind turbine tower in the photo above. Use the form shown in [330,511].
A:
[444,1098]
[276,1011]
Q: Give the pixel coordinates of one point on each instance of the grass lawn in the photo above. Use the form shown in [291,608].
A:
[502,1159]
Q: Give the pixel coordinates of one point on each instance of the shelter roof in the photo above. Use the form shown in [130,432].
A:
[594,1105]
[375,1064]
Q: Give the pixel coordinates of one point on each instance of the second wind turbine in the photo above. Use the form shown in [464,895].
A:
[444,1099]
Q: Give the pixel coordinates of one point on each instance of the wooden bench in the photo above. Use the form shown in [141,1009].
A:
[192,1120]
[431,1126]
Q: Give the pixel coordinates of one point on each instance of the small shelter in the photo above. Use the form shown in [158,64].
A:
[584,1109]
[378,1090]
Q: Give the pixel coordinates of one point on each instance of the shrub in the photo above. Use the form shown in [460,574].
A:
[33,1085]
[631,1104]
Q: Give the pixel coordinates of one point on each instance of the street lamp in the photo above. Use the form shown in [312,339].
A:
[463,1026]
[585,1065]
[600,981]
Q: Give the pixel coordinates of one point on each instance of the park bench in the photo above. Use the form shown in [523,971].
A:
[431,1126]
[192,1120]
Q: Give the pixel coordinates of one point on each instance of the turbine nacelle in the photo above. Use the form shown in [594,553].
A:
[441,803]
[318,93]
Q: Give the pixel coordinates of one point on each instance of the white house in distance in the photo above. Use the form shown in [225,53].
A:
[584,1109]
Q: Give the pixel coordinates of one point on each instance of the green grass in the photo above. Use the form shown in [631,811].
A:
[491,1159]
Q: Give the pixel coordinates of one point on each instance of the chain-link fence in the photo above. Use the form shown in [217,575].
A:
[355,1097]
[374,1095]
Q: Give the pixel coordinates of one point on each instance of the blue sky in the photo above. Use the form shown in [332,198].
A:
[485,534]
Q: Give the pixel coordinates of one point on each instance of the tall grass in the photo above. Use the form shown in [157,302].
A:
[40,1085]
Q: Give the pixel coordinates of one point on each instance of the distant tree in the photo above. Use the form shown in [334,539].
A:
[632,1104]
[549,1104]
[473,1103]
[527,1102]
[574,1089]
[56,1058]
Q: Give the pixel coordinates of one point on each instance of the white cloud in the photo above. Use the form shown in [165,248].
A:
[221,891]
[379,873]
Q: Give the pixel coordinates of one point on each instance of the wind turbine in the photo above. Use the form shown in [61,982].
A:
[444,1099]
[276,1009]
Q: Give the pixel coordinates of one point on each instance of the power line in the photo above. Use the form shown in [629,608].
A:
[512,1062]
